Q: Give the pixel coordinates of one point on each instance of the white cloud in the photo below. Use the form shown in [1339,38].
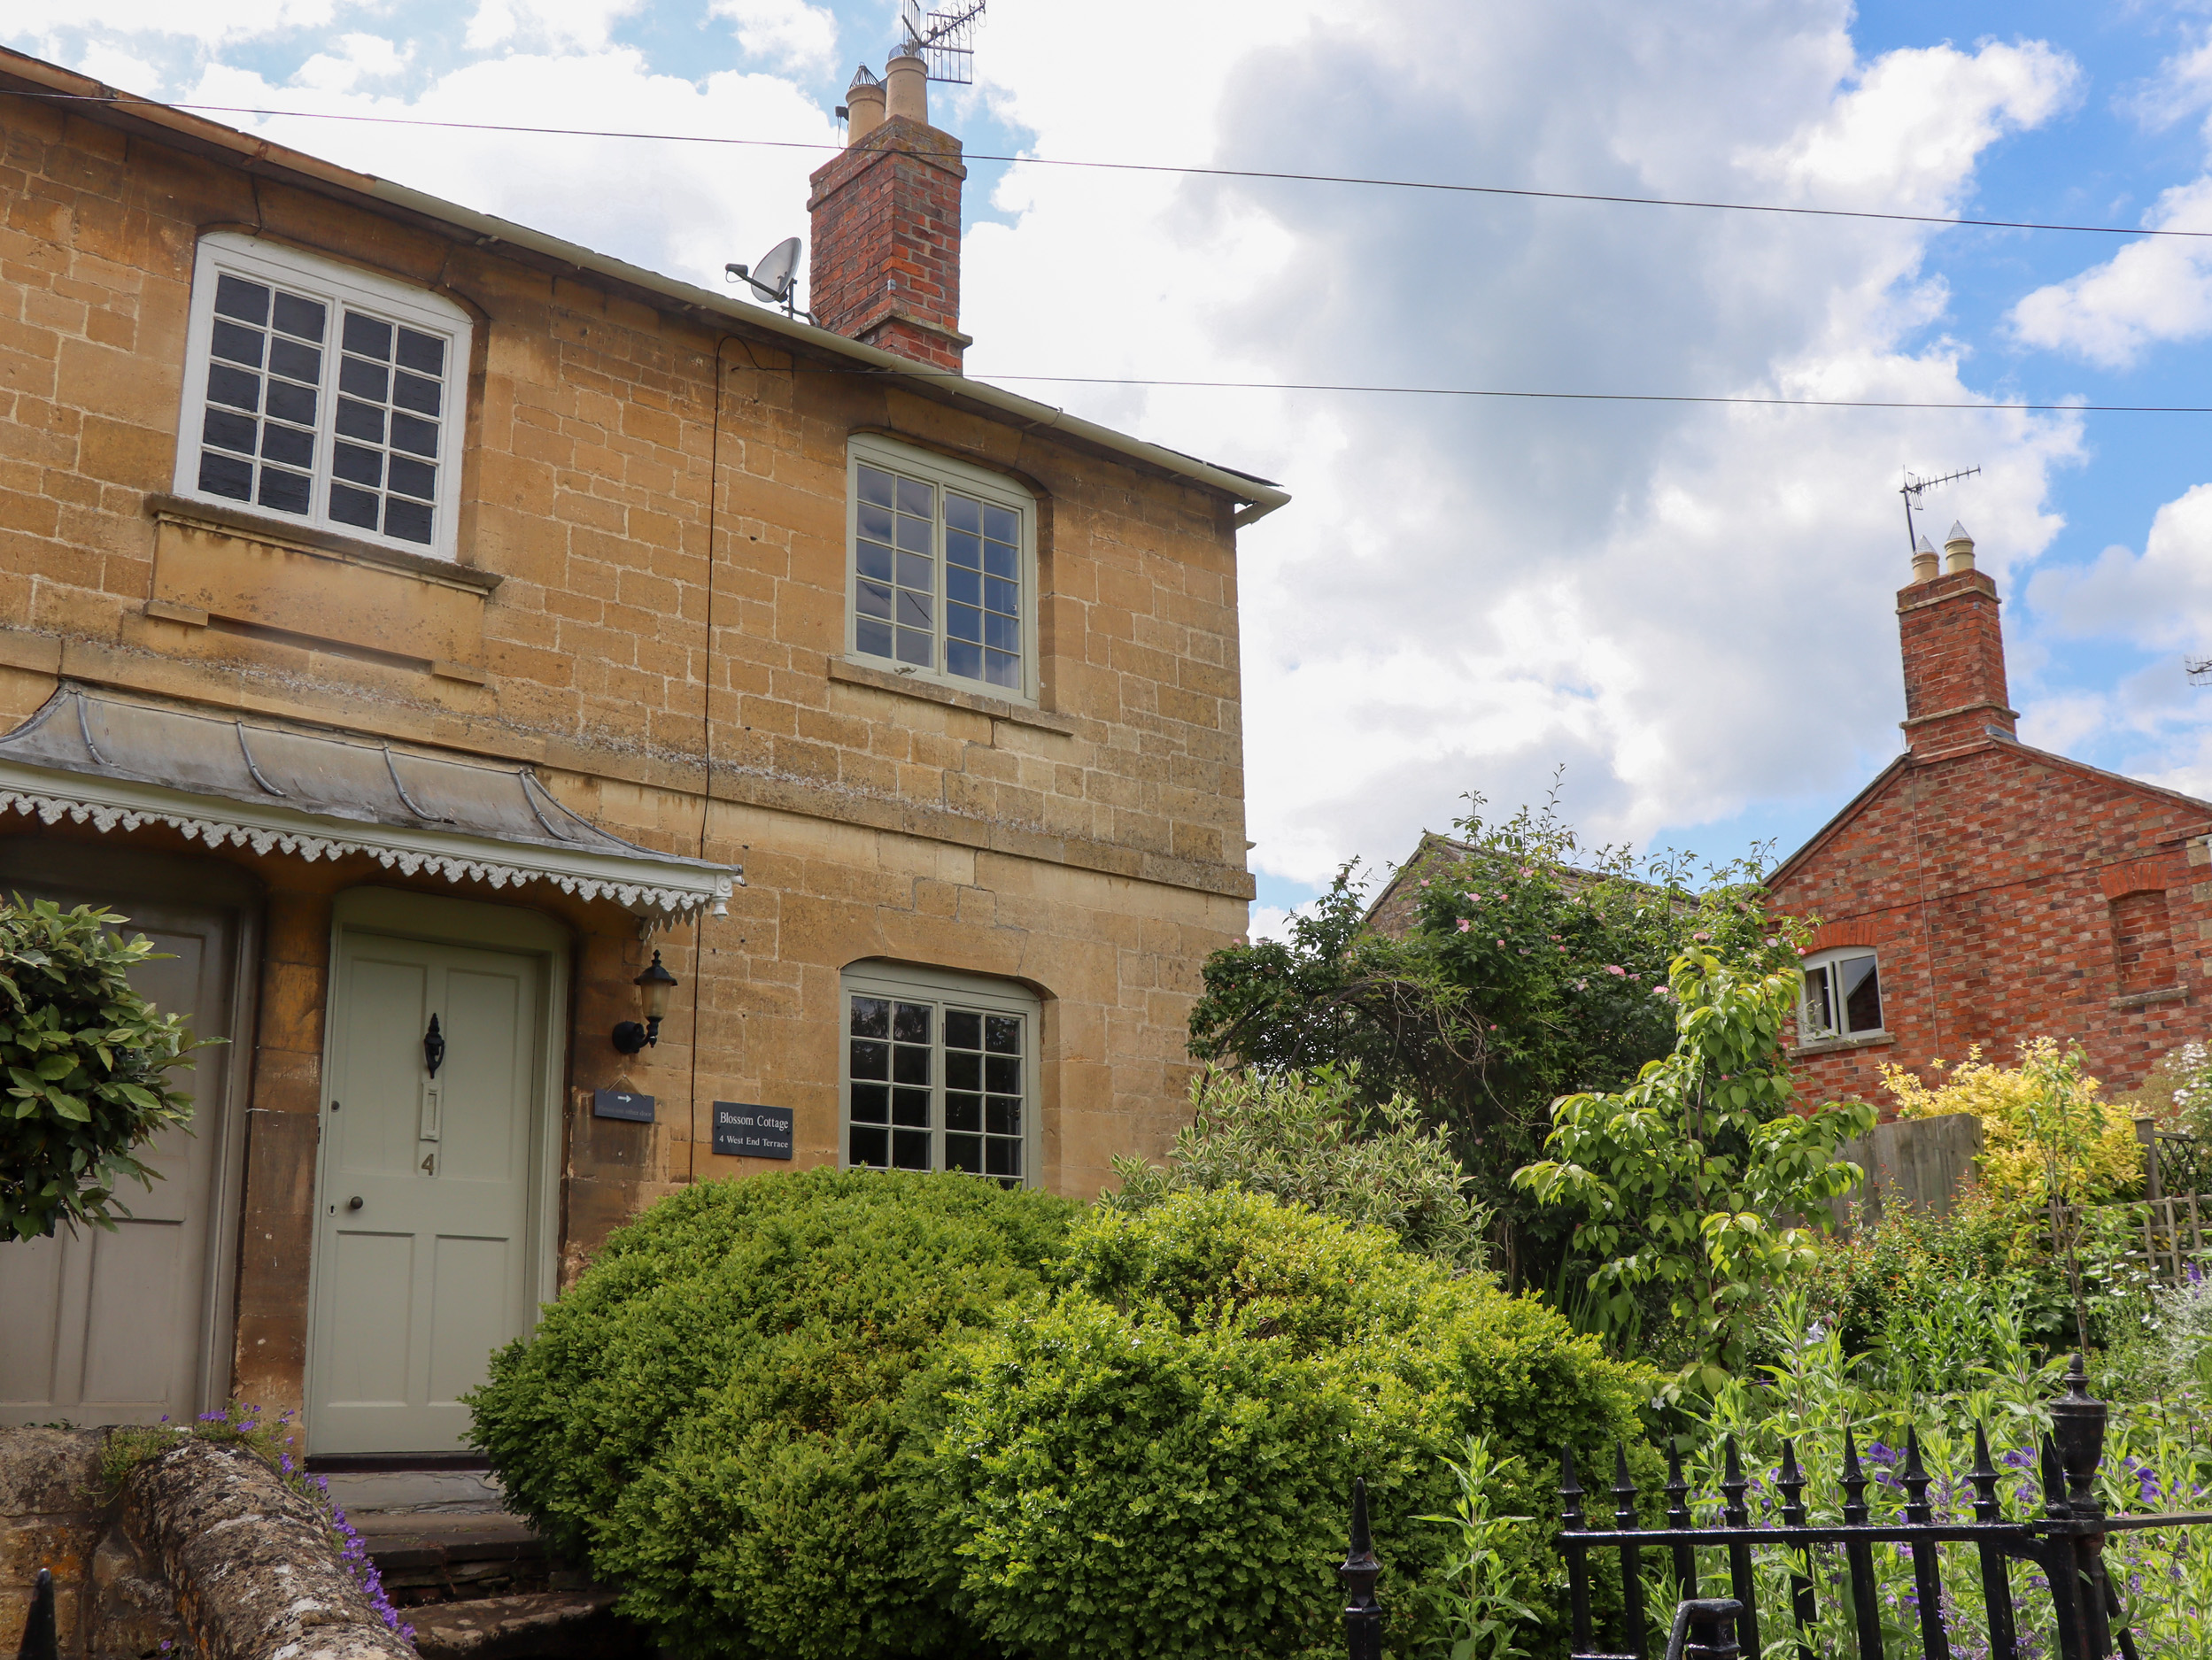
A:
[2159,289]
[788,34]
[1689,606]
[564,23]
[42,24]
[358,58]
[1906,136]
[2160,598]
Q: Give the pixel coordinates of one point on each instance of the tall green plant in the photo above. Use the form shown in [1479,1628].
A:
[86,1060]
[1485,1609]
[1686,1179]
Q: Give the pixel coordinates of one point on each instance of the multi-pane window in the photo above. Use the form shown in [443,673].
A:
[938,1076]
[321,394]
[1842,996]
[941,573]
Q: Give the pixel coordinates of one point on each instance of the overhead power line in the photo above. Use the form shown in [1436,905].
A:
[1573,397]
[1263,173]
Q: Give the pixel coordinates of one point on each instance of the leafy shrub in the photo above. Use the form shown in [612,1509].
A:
[1160,1461]
[86,1062]
[2098,1159]
[728,1416]
[1307,1138]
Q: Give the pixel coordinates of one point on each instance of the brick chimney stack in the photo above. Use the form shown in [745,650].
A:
[1955,651]
[884,266]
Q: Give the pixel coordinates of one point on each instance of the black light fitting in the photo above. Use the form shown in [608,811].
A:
[654,986]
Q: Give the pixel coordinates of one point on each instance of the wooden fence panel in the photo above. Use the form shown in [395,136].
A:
[1923,1162]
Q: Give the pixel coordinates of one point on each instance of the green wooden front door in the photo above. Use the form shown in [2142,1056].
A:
[423,1251]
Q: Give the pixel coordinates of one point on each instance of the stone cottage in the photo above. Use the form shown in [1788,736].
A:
[1982,891]
[576,734]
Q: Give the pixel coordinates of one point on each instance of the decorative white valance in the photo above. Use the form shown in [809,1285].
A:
[118,764]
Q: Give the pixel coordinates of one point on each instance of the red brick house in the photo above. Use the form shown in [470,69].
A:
[1980,892]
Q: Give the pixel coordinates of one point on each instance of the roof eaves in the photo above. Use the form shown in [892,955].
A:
[104,104]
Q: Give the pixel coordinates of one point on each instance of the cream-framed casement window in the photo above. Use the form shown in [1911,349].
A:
[1843,995]
[321,395]
[942,575]
[938,1071]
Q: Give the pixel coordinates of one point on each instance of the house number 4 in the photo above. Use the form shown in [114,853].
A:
[429,1164]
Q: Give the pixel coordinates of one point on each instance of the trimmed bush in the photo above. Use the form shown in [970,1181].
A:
[1307,1138]
[729,1415]
[1160,1463]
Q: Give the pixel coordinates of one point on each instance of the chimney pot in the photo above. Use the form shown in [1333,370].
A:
[907,83]
[864,104]
[1924,561]
[1958,549]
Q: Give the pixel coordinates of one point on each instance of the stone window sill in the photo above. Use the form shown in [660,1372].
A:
[951,697]
[2145,999]
[1834,1045]
[307,539]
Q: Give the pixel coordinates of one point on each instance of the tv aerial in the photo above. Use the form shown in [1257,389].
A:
[1911,491]
[945,41]
[775,279]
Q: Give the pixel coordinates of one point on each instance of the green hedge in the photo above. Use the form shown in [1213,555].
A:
[1161,1462]
[871,1417]
[728,1416]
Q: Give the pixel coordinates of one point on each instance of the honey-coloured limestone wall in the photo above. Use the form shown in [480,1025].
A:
[647,608]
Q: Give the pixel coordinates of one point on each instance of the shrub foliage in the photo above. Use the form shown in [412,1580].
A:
[730,1415]
[85,1060]
[1159,1463]
[1307,1139]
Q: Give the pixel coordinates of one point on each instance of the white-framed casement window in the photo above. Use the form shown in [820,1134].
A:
[942,578]
[938,1072]
[1843,995]
[321,395]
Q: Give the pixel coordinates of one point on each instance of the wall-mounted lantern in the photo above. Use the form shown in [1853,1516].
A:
[654,986]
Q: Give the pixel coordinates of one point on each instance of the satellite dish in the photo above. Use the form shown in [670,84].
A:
[773,277]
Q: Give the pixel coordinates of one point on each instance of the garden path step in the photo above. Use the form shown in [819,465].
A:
[541,1626]
[439,1534]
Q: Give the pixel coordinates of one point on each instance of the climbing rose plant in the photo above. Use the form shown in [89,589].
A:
[1688,1178]
[84,1063]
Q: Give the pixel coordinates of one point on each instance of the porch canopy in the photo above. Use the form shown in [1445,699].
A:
[119,763]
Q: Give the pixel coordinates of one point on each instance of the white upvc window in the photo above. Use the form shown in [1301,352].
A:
[1843,995]
[938,1071]
[322,396]
[941,578]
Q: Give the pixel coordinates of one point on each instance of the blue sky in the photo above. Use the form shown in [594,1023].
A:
[1689,610]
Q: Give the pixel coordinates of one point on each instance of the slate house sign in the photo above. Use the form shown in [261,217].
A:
[620,1103]
[742,1130]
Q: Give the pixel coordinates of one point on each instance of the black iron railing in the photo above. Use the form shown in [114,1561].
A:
[2062,1551]
[2065,1548]
[41,1637]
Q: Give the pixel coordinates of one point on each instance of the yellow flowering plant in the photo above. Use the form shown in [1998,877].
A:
[2097,1159]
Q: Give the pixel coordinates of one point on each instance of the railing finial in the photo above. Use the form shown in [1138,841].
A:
[1362,1614]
